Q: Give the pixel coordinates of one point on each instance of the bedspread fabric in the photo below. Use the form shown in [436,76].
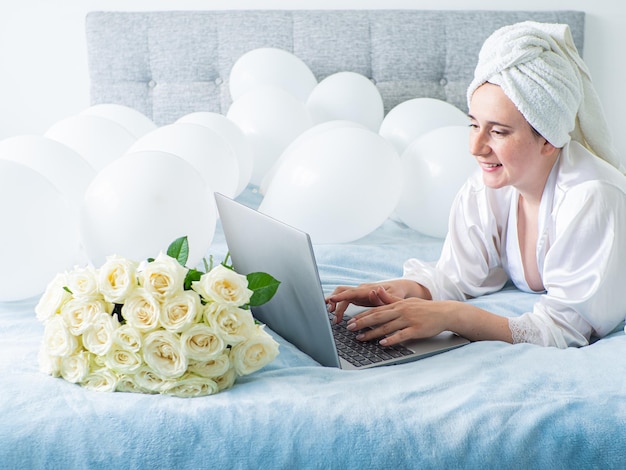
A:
[487,404]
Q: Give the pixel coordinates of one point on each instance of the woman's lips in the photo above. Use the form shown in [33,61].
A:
[490,166]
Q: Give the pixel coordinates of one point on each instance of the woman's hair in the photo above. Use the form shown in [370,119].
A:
[535,131]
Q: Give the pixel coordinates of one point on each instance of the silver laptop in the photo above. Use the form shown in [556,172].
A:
[297,312]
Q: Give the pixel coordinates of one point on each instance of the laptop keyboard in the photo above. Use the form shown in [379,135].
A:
[362,353]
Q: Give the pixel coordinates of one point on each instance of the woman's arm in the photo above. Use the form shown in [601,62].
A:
[402,319]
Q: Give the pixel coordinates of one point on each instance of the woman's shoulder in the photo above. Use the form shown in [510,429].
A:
[586,181]
[581,168]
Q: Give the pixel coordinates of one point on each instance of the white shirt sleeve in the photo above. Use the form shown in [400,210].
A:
[470,264]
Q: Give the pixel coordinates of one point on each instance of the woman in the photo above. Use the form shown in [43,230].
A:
[547,210]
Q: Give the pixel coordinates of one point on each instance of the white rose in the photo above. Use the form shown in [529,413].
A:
[96,362]
[142,310]
[223,285]
[98,337]
[212,368]
[75,368]
[122,361]
[233,324]
[192,386]
[254,353]
[79,313]
[147,379]
[163,353]
[201,342]
[128,338]
[100,380]
[48,364]
[53,298]
[117,278]
[83,282]
[180,311]
[164,277]
[128,383]
[57,339]
[226,380]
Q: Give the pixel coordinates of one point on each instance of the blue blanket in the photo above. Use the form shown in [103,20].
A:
[487,404]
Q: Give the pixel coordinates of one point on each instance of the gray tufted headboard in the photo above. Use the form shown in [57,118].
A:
[170,63]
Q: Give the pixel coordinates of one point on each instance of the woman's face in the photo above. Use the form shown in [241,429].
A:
[504,144]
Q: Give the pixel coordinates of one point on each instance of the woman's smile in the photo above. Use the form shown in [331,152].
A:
[490,167]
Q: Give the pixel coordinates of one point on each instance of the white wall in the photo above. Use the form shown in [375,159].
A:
[43,61]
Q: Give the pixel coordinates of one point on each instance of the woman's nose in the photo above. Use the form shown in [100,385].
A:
[478,144]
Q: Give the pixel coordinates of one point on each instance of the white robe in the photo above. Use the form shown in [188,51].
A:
[581,251]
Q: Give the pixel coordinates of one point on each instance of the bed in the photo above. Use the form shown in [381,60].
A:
[487,404]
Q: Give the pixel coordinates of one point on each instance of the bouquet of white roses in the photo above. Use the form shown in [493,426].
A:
[155,327]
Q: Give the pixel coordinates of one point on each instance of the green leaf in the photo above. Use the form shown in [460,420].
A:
[192,275]
[263,287]
[179,250]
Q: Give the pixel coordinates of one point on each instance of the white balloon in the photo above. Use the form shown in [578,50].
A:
[38,237]
[434,167]
[137,123]
[337,185]
[271,119]
[140,203]
[274,67]
[347,96]
[203,148]
[98,140]
[413,118]
[316,129]
[64,167]
[233,135]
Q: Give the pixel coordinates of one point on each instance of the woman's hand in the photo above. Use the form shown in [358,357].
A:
[373,295]
[403,319]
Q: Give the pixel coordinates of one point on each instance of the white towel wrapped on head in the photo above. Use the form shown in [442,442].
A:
[538,67]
